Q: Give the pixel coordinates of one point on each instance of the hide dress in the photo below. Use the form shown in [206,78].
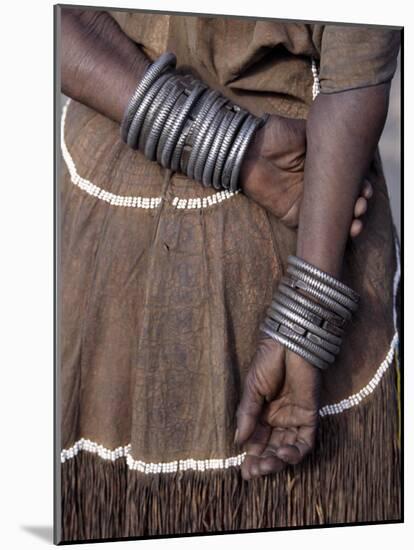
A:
[164,283]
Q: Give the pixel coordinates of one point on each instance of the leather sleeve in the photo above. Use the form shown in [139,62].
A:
[357,56]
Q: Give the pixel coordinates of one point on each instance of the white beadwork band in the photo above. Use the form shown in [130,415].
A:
[190,463]
[131,201]
[316,87]
[148,202]
[149,467]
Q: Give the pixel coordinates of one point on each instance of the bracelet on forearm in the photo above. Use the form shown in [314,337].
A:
[308,312]
[179,122]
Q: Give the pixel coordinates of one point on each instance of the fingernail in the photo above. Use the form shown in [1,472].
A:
[235,437]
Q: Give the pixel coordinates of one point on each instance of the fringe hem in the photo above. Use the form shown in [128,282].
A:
[353,476]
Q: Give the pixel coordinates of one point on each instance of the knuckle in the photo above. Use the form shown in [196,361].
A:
[271,449]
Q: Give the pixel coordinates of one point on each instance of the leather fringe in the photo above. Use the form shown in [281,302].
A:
[353,476]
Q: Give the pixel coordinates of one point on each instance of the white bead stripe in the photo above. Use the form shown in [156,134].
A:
[396,281]
[222,463]
[131,201]
[316,87]
[149,467]
[92,447]
[203,202]
[356,398]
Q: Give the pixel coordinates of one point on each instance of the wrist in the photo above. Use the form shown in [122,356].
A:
[176,120]
[309,311]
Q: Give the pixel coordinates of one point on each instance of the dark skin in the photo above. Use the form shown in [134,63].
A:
[101,67]
[277,418]
[326,195]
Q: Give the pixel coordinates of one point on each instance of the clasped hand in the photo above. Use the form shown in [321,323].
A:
[273,170]
[277,418]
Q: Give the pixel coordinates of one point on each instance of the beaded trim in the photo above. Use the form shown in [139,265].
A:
[149,467]
[131,201]
[149,202]
[316,87]
[396,281]
[203,202]
[356,398]
[221,463]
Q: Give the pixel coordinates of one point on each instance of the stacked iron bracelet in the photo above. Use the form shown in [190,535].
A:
[308,312]
[177,121]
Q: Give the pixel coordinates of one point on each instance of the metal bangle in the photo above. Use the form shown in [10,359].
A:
[206,145]
[282,316]
[154,110]
[231,157]
[311,306]
[239,117]
[178,123]
[176,156]
[166,131]
[252,129]
[141,112]
[324,277]
[214,108]
[184,142]
[312,359]
[320,296]
[154,70]
[282,306]
[157,115]
[322,287]
[207,101]
[300,340]
[298,309]
[215,148]
[202,108]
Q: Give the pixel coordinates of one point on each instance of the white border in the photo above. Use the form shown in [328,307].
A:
[149,202]
[149,467]
[131,201]
[207,464]
[27,230]
[356,398]
[222,463]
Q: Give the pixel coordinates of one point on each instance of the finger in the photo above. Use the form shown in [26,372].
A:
[254,448]
[291,454]
[295,452]
[367,189]
[356,228]
[263,379]
[360,207]
[250,467]
[269,461]
[249,409]
[270,464]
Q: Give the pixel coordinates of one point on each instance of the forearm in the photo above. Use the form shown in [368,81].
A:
[100,64]
[343,130]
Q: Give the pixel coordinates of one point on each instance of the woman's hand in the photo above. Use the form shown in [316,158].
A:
[278,414]
[273,170]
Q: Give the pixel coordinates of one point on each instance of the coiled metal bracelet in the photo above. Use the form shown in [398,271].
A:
[308,312]
[179,122]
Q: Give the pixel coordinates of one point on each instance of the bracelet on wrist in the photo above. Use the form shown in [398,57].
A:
[177,121]
[308,312]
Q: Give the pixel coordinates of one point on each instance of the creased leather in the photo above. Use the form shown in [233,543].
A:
[161,307]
